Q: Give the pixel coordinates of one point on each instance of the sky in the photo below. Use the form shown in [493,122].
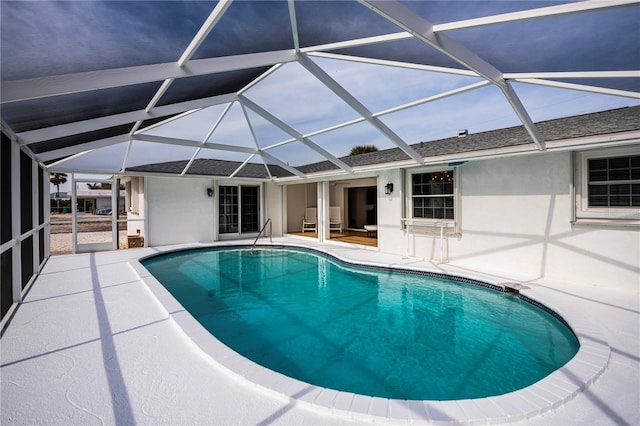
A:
[51,38]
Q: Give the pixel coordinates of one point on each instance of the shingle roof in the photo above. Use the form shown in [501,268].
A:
[210,167]
[599,123]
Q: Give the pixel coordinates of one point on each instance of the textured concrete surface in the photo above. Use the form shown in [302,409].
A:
[91,345]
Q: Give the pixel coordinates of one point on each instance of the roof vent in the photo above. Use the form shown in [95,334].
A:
[463,133]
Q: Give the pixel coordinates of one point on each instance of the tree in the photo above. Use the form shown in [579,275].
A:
[99,185]
[58,179]
[362,149]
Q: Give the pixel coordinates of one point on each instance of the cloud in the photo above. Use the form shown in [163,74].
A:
[296,97]
[51,38]
[380,87]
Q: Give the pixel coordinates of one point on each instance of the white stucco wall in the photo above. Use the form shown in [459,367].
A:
[513,209]
[274,202]
[391,238]
[179,211]
[136,207]
[516,221]
[295,207]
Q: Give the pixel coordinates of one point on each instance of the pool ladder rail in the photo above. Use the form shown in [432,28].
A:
[268,222]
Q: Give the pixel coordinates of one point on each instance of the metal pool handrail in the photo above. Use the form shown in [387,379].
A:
[268,222]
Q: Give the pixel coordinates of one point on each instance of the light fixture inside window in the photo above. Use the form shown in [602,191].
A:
[388,188]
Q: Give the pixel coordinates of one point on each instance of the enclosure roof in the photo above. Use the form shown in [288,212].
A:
[283,88]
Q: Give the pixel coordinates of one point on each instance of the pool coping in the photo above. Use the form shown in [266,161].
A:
[543,396]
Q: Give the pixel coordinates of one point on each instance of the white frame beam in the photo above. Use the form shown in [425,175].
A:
[255,141]
[347,97]
[395,64]
[563,9]
[523,115]
[579,87]
[206,138]
[42,87]
[60,131]
[193,143]
[205,29]
[573,74]
[292,132]
[76,149]
[294,25]
[424,31]
[282,164]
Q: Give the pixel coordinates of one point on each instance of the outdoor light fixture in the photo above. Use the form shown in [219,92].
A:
[388,188]
[210,192]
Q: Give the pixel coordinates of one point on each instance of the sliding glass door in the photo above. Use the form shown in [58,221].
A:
[238,209]
[249,208]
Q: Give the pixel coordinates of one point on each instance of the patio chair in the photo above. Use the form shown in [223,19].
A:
[310,220]
[371,229]
[335,219]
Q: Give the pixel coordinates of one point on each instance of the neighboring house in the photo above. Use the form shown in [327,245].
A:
[491,202]
[62,195]
[96,201]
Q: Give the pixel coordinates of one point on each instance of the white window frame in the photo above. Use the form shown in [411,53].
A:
[626,216]
[261,208]
[450,225]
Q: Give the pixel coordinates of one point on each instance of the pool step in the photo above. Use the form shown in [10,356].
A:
[513,287]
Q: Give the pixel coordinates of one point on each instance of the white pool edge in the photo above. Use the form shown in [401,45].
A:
[541,397]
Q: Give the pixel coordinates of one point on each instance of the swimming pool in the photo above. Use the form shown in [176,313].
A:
[366,331]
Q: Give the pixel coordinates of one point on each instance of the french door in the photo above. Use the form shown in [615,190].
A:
[238,209]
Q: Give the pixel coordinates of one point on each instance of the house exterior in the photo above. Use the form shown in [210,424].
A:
[96,201]
[491,202]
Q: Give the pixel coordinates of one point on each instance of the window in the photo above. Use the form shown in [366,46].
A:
[250,208]
[228,209]
[607,184]
[614,182]
[238,209]
[432,195]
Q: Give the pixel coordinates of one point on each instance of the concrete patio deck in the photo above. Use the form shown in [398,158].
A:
[92,345]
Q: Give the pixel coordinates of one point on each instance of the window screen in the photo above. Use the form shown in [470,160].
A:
[6,281]
[5,189]
[614,182]
[432,195]
[27,260]
[26,193]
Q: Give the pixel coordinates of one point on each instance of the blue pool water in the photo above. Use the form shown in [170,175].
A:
[371,332]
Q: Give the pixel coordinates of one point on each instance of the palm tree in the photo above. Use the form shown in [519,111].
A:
[58,179]
[99,185]
[362,149]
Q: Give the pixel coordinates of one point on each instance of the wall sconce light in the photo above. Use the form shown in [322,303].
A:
[388,188]
[210,192]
